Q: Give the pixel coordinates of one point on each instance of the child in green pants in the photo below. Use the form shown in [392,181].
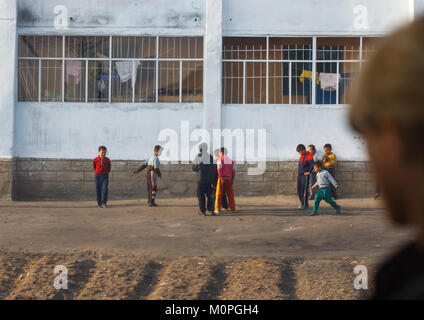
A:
[324,178]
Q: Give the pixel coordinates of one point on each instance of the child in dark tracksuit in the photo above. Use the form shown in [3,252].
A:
[305,168]
[101,167]
[208,175]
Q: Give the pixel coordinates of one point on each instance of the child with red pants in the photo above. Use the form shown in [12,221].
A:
[226,174]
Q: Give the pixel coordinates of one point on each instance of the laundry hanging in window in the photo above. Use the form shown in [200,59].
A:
[73,68]
[126,71]
[329,81]
[308,75]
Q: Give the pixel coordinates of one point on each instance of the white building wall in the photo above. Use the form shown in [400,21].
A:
[115,17]
[312,17]
[289,125]
[7,75]
[75,131]
[68,130]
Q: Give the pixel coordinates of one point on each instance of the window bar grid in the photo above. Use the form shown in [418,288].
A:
[180,89]
[134,73]
[231,83]
[252,77]
[290,83]
[157,70]
[39,80]
[314,69]
[224,81]
[86,80]
[110,69]
[267,73]
[238,76]
[63,67]
[338,82]
[244,82]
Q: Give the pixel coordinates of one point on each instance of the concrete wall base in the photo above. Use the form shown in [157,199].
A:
[7,169]
[64,179]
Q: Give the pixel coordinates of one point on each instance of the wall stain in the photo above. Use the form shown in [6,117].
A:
[25,15]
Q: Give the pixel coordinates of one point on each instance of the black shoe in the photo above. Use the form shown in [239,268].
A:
[201,213]
[154,204]
[99,205]
[212,213]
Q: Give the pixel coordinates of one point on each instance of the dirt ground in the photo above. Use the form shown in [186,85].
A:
[268,250]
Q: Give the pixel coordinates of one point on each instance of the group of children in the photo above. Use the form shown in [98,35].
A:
[315,180]
[215,181]
[214,186]
[216,173]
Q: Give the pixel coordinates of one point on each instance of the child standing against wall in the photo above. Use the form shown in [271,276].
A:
[305,168]
[324,181]
[102,167]
[313,179]
[153,172]
[329,162]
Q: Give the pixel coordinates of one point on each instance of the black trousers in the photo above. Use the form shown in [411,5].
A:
[205,197]
[303,189]
[151,186]
[313,180]
[102,184]
[332,171]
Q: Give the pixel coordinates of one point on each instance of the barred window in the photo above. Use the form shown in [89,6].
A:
[287,83]
[86,80]
[127,69]
[289,70]
[180,69]
[369,45]
[342,59]
[40,71]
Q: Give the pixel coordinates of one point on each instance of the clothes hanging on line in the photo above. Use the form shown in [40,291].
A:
[329,81]
[308,75]
[73,68]
[126,71]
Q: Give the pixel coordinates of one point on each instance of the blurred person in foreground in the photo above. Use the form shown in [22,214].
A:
[388,110]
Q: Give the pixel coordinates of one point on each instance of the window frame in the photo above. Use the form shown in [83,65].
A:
[111,59]
[313,61]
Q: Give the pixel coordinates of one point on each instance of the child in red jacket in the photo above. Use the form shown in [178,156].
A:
[226,175]
[101,167]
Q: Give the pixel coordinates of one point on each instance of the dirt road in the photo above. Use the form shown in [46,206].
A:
[268,250]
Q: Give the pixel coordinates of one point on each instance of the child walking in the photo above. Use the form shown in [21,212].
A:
[329,162]
[152,164]
[102,167]
[226,174]
[324,180]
